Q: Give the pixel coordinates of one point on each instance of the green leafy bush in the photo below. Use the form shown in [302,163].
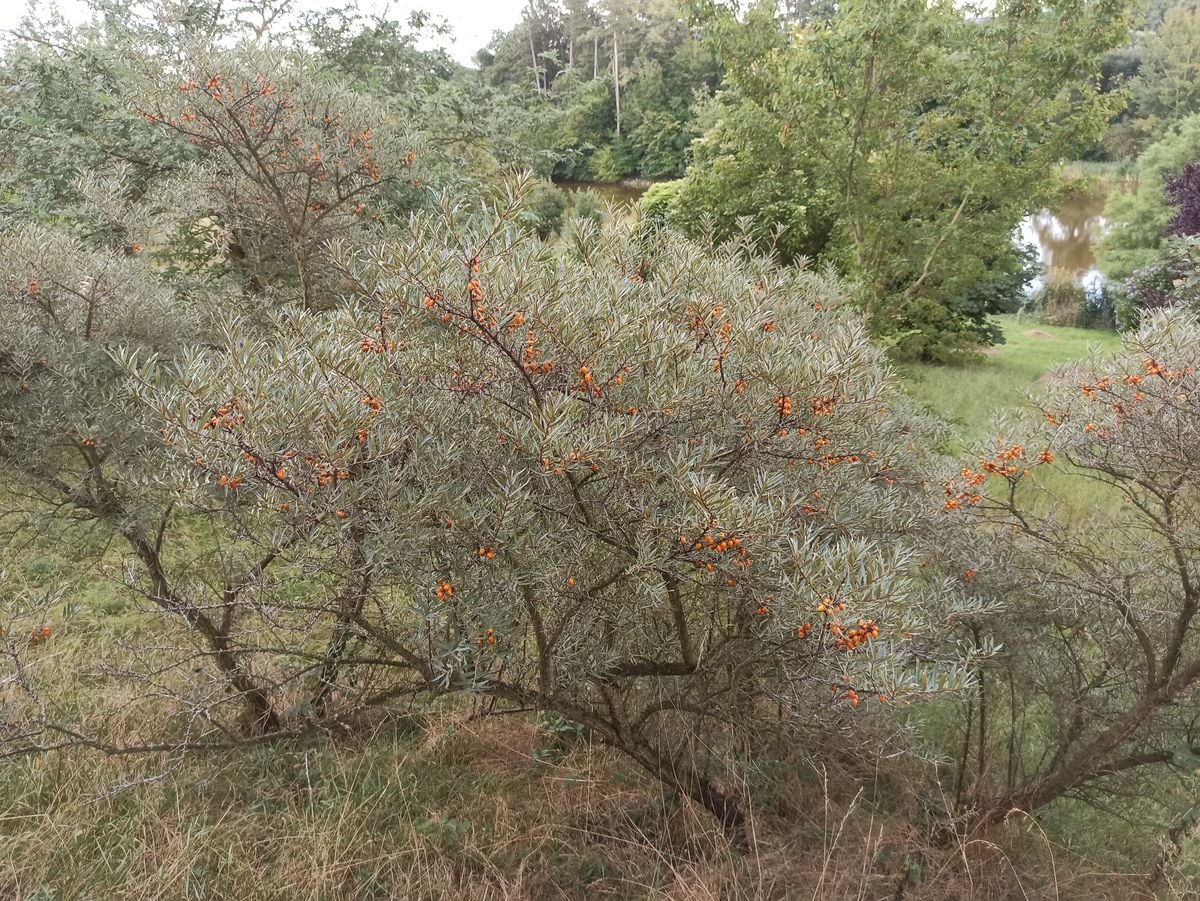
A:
[604,165]
[657,203]
[588,205]
[544,209]
[1139,215]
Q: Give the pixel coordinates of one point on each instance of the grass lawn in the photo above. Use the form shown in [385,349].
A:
[971,397]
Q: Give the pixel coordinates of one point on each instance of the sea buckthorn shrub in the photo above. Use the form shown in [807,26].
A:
[69,295]
[80,460]
[293,159]
[1095,608]
[657,491]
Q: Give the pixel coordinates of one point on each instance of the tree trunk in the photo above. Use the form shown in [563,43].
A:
[537,78]
[616,66]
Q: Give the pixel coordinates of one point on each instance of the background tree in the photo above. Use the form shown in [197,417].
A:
[1141,213]
[625,78]
[1167,86]
[911,187]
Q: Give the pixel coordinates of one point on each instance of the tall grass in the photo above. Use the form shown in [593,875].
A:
[1007,381]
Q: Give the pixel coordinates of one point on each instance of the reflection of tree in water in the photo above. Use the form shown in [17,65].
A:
[1064,236]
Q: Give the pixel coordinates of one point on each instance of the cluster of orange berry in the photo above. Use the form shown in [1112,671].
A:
[1155,368]
[823,406]
[34,288]
[804,630]
[577,456]
[783,405]
[1003,463]
[370,345]
[444,590]
[587,384]
[231,482]
[832,459]
[327,473]
[489,637]
[830,605]
[712,545]
[486,553]
[849,639]
[461,384]
[529,357]
[38,635]
[697,321]
[226,417]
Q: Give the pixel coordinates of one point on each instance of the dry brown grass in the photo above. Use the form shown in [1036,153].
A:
[463,810]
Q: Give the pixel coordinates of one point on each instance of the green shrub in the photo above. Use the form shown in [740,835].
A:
[543,210]
[604,166]
[658,203]
[1063,301]
[1140,213]
[588,205]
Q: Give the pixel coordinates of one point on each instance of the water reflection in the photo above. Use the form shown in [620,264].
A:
[622,192]
[1064,238]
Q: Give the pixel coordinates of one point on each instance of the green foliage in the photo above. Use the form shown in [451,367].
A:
[1063,301]
[66,111]
[604,166]
[881,143]
[544,210]
[623,78]
[377,54]
[1140,214]
[1167,86]
[588,205]
[657,204]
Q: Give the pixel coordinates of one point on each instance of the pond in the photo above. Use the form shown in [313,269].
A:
[1065,237]
[625,193]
